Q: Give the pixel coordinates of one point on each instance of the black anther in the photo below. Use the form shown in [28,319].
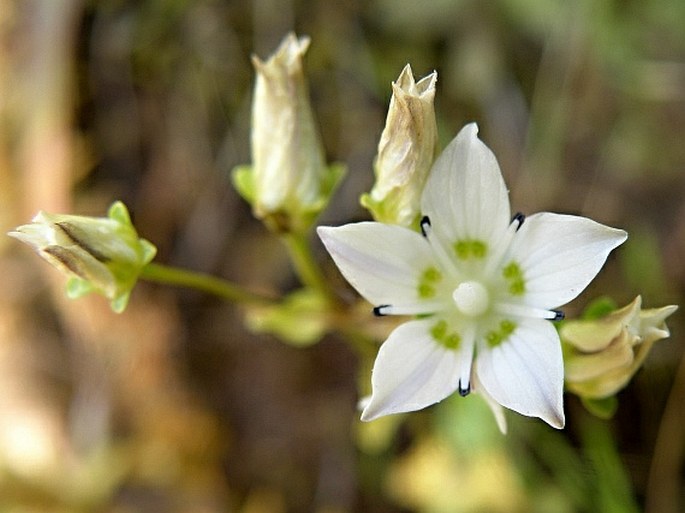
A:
[518,218]
[377,310]
[464,391]
[558,315]
[425,222]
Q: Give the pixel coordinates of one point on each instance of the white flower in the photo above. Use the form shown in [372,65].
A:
[484,288]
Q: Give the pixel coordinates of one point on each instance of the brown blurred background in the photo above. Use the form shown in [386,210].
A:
[173,406]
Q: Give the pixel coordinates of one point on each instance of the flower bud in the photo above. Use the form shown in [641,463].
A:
[602,355]
[405,152]
[288,183]
[99,254]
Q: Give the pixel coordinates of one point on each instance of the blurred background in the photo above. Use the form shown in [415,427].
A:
[174,406]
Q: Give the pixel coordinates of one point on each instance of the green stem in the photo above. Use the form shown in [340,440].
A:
[200,281]
[361,344]
[305,265]
[612,483]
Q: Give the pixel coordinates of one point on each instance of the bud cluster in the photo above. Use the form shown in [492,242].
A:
[602,355]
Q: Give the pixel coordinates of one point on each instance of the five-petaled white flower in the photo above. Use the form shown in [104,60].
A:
[483,286]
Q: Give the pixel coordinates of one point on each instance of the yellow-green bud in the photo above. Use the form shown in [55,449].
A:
[602,355]
[405,152]
[99,254]
[288,183]
[300,319]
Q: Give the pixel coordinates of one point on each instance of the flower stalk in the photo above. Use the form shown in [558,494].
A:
[202,282]
[305,265]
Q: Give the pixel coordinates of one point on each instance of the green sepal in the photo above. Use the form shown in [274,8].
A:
[77,287]
[119,303]
[598,308]
[374,207]
[387,210]
[148,251]
[243,182]
[309,213]
[292,217]
[604,408]
[118,212]
[335,175]
[299,320]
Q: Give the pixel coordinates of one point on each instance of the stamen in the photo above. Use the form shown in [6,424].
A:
[379,311]
[502,247]
[509,309]
[425,225]
[560,316]
[464,390]
[443,258]
[466,357]
[518,219]
[422,307]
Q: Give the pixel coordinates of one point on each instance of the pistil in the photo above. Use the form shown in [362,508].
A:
[472,298]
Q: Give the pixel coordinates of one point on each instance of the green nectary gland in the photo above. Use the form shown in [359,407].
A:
[440,333]
[470,248]
[514,276]
[427,282]
[496,337]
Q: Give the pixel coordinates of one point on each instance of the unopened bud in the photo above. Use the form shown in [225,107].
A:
[405,152]
[602,355]
[288,183]
[99,254]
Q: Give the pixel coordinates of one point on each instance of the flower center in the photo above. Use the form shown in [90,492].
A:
[471,298]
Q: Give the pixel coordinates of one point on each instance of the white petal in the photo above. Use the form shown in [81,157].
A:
[411,371]
[382,262]
[465,196]
[495,407]
[526,372]
[560,255]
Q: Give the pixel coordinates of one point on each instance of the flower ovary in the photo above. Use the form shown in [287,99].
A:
[471,298]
